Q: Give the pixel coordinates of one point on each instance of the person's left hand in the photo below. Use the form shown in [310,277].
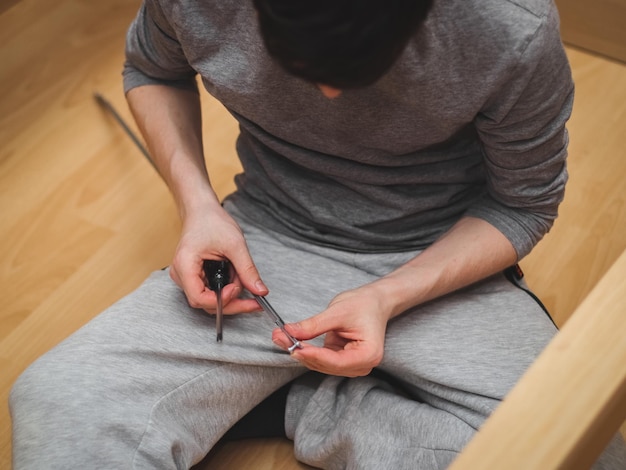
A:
[354,322]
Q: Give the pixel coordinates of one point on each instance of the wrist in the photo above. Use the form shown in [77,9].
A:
[405,288]
[197,204]
[194,195]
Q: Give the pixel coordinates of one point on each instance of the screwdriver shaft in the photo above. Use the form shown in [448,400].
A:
[219,315]
[267,307]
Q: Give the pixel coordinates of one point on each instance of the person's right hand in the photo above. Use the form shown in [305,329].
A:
[214,234]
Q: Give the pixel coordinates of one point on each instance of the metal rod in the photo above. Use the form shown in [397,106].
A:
[267,307]
[109,107]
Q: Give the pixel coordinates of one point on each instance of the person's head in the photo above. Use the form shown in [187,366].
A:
[339,43]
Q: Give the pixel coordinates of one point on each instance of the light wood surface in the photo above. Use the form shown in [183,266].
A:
[573,398]
[595,25]
[84,219]
[590,232]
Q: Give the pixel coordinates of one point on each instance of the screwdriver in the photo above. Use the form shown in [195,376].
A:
[217,276]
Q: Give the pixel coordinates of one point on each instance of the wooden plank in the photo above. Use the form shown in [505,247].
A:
[573,398]
[257,454]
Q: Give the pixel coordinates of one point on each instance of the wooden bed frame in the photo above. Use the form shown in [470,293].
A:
[572,400]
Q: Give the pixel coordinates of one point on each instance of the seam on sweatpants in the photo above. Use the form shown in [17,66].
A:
[150,422]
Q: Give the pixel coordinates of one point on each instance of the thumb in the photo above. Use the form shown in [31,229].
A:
[312,327]
[247,272]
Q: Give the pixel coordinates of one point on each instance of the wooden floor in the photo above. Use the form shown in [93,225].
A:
[84,218]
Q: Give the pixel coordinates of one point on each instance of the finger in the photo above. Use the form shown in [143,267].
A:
[280,339]
[348,362]
[233,304]
[236,307]
[174,276]
[314,326]
[193,283]
[200,296]
[353,360]
[190,276]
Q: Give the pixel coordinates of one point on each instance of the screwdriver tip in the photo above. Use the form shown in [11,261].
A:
[219,337]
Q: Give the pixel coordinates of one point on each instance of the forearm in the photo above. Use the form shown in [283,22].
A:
[470,251]
[170,121]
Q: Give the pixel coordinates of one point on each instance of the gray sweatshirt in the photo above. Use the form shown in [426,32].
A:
[469,121]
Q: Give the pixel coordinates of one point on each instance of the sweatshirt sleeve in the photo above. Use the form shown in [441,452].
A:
[153,53]
[524,140]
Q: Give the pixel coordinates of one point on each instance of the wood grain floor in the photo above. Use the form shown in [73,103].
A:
[84,218]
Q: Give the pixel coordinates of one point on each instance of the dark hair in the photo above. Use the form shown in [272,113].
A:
[339,43]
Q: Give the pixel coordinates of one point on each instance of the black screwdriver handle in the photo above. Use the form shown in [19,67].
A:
[217,273]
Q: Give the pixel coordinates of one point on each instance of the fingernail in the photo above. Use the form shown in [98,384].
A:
[260,286]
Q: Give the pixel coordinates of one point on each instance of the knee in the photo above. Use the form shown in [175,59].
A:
[36,414]
[50,388]
[33,389]
[24,388]
[58,407]
[50,405]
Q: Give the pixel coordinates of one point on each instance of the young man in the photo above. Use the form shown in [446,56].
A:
[398,156]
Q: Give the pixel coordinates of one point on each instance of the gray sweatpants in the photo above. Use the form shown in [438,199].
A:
[145,385]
